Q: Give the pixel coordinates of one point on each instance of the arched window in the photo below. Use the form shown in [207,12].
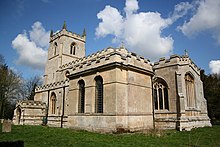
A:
[190,90]
[99,94]
[73,49]
[81,106]
[55,49]
[53,103]
[161,100]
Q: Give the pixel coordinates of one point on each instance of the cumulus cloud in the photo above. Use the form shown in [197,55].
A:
[111,22]
[214,65]
[131,6]
[39,35]
[205,18]
[140,31]
[32,48]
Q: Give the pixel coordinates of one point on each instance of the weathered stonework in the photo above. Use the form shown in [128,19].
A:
[114,89]
[29,112]
[181,116]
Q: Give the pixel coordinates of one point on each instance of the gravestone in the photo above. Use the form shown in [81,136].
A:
[6,126]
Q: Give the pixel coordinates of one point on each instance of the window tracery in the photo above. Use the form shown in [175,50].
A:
[161,100]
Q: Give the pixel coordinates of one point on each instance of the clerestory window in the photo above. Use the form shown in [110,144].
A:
[99,94]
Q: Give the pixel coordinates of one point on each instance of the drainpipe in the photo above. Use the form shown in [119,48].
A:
[48,97]
[63,107]
[153,101]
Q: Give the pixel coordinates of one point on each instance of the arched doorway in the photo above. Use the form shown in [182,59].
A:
[18,115]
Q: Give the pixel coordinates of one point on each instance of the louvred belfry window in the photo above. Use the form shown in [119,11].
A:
[81,106]
[55,48]
[99,95]
[73,49]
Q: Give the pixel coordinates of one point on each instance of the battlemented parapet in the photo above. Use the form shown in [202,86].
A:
[107,56]
[177,60]
[55,85]
[29,112]
[66,33]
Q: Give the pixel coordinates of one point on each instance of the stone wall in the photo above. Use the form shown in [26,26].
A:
[180,116]
[29,112]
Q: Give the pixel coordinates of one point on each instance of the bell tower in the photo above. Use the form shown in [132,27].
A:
[65,47]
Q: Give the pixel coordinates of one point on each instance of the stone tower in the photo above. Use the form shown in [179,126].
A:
[65,47]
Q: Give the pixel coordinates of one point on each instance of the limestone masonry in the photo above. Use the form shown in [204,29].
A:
[114,89]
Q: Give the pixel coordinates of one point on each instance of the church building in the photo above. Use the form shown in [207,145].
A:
[114,89]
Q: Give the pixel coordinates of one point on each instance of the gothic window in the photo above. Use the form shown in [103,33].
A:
[99,94]
[190,90]
[55,48]
[81,106]
[73,49]
[53,103]
[161,100]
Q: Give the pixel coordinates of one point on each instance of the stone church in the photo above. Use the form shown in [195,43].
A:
[114,89]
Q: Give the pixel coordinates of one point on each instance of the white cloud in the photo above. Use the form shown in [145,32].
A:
[141,32]
[32,49]
[214,65]
[180,10]
[39,35]
[111,22]
[131,6]
[206,18]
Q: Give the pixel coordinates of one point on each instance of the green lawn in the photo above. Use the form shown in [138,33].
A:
[40,136]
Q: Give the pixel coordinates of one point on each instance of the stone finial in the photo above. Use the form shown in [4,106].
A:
[51,33]
[64,25]
[84,33]
[186,52]
[122,45]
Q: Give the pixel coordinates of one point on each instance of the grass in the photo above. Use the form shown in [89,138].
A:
[40,136]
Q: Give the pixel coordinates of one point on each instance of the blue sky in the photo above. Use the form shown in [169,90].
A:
[152,29]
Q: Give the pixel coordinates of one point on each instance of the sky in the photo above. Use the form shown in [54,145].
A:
[152,29]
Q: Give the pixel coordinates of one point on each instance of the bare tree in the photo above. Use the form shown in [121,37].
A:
[30,86]
[10,86]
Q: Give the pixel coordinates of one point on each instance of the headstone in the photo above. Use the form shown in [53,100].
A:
[6,126]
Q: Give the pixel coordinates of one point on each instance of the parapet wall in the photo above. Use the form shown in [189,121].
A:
[107,56]
[30,103]
[176,60]
[54,85]
[64,32]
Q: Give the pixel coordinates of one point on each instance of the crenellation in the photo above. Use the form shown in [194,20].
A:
[102,56]
[66,33]
[176,60]
[52,85]
[162,59]
[30,102]
[166,61]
